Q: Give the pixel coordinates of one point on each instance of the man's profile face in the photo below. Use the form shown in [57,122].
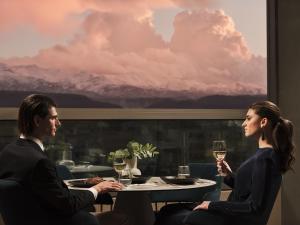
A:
[47,126]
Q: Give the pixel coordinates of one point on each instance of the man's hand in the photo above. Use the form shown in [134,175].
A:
[204,205]
[106,186]
[94,180]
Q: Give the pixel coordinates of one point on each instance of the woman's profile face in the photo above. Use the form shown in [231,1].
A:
[252,123]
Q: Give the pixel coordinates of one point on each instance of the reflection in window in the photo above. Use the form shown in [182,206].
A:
[179,141]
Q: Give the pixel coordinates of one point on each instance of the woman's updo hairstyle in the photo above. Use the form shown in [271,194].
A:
[282,132]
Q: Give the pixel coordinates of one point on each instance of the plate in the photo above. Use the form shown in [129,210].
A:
[177,180]
[139,180]
[141,186]
[80,184]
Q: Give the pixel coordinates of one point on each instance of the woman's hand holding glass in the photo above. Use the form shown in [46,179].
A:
[223,168]
[219,152]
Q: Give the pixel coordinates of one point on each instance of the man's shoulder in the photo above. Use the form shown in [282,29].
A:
[21,149]
[25,144]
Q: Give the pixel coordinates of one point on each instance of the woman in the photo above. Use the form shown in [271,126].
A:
[256,182]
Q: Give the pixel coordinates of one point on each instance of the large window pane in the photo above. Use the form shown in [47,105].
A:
[136,54]
[179,141]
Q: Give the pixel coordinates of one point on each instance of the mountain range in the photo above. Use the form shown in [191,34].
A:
[82,89]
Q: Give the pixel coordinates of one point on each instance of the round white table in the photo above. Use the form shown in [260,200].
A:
[135,200]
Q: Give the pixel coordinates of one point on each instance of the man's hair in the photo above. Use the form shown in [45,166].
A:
[31,106]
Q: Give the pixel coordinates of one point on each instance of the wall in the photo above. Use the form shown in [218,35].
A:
[275,217]
[288,92]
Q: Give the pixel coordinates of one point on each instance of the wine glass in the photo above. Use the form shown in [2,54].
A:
[183,171]
[119,165]
[219,150]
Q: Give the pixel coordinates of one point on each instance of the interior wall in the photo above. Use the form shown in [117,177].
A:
[288,93]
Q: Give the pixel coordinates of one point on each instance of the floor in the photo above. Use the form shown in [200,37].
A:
[274,220]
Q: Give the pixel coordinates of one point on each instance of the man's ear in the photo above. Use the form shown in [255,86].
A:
[36,120]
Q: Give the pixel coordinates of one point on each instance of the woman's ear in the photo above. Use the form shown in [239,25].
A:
[263,122]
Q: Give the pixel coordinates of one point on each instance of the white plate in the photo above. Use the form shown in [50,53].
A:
[141,186]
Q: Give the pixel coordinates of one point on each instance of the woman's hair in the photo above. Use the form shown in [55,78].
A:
[33,105]
[282,132]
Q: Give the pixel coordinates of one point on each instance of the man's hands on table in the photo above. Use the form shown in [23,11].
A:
[108,185]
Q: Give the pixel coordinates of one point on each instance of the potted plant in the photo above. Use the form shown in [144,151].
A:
[131,153]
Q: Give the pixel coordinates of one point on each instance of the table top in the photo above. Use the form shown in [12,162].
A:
[157,184]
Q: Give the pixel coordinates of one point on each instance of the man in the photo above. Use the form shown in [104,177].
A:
[25,162]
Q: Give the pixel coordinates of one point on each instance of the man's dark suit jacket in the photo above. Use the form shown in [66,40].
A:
[25,162]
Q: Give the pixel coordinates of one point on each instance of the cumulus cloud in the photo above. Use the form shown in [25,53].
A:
[205,54]
[56,16]
[49,16]
[192,4]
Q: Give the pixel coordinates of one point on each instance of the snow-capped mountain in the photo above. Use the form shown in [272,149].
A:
[109,91]
[95,86]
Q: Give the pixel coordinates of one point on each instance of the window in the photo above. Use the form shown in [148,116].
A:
[160,74]
[142,54]
[179,141]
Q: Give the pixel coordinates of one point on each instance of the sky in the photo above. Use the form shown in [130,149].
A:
[26,39]
[201,45]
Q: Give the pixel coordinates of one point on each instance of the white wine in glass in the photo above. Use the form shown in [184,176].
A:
[119,166]
[219,155]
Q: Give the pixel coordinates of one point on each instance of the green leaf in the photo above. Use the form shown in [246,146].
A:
[134,149]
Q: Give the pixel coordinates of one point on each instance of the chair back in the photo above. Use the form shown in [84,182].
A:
[18,206]
[208,171]
[63,172]
[203,170]
[270,200]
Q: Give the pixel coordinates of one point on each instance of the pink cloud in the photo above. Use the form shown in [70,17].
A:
[51,17]
[56,16]
[120,33]
[192,4]
[207,33]
[206,52]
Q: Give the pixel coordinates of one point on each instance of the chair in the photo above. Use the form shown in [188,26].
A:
[203,170]
[18,206]
[63,172]
[103,199]
[260,218]
[270,200]
[208,171]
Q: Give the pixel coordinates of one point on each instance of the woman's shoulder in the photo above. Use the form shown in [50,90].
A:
[268,155]
[265,152]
